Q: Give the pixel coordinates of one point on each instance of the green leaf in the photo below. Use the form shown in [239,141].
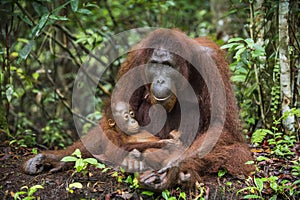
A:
[229,46]
[69,159]
[17,194]
[9,93]
[262,158]
[249,42]
[238,78]
[237,39]
[259,183]
[251,196]
[182,195]
[128,180]
[74,5]
[239,52]
[35,75]
[259,135]
[75,185]
[222,172]
[33,189]
[250,162]
[77,153]
[104,170]
[37,29]
[40,9]
[26,50]
[92,161]
[57,17]
[79,165]
[148,193]
[165,194]
[84,11]
[26,20]
[100,166]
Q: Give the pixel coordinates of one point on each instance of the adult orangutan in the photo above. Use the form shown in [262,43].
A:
[190,79]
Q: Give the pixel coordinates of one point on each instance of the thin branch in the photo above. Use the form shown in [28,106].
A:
[110,14]
[61,96]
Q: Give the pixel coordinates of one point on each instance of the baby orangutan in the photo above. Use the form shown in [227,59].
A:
[122,142]
[144,148]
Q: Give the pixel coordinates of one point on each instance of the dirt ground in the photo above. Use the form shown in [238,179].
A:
[96,185]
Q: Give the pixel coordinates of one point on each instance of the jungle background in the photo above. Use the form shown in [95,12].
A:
[44,43]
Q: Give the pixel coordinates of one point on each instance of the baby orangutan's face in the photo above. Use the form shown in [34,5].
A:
[124,117]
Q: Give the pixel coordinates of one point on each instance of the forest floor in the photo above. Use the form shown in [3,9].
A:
[100,185]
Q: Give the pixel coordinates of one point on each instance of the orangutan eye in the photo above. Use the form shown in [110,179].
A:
[126,116]
[131,113]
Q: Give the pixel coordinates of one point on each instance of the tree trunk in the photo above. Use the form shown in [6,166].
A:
[285,70]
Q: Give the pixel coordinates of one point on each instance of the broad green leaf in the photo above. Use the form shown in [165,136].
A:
[165,194]
[235,39]
[74,5]
[92,161]
[239,46]
[100,166]
[26,50]
[239,52]
[182,195]
[249,42]
[79,165]
[26,20]
[77,153]
[128,180]
[37,29]
[69,159]
[259,183]
[84,11]
[229,46]
[238,78]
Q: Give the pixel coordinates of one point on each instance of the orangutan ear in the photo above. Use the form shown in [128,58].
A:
[111,122]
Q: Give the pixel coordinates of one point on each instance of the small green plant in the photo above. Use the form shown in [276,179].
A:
[280,142]
[221,173]
[53,134]
[256,186]
[167,195]
[72,186]
[82,164]
[28,194]
[34,151]
[119,175]
[23,139]
[134,182]
[246,54]
[255,190]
